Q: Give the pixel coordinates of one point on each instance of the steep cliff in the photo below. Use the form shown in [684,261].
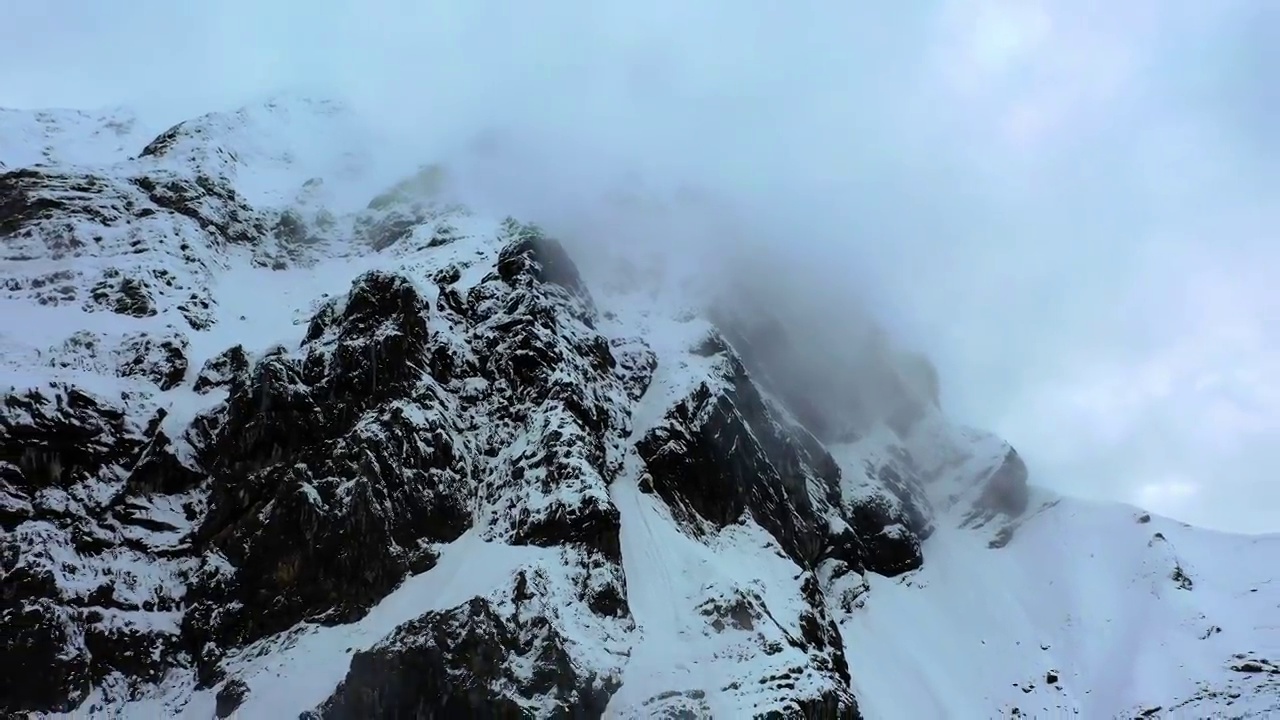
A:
[263,450]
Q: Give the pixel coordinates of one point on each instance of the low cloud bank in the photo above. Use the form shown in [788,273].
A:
[1069,205]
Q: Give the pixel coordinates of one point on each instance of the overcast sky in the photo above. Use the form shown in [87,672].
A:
[1072,205]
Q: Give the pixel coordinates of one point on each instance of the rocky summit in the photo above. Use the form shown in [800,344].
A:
[266,452]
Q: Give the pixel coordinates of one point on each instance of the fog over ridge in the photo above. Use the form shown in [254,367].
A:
[1070,206]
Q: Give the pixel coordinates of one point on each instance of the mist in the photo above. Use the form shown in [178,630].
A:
[1069,206]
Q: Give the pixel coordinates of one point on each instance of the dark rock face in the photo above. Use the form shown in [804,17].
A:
[165,141]
[458,664]
[122,295]
[534,256]
[59,449]
[550,377]
[25,199]
[720,453]
[54,674]
[331,473]
[723,455]
[162,360]
[1004,492]
[229,697]
[60,435]
[223,369]
[891,515]
[335,470]
[636,364]
[211,202]
[888,546]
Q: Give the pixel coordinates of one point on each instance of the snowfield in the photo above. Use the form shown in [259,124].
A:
[442,469]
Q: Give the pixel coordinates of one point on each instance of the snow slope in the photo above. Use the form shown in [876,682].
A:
[61,136]
[592,490]
[1085,592]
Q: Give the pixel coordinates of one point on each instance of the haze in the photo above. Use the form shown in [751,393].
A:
[1071,206]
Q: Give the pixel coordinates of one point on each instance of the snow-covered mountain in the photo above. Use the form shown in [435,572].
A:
[270,453]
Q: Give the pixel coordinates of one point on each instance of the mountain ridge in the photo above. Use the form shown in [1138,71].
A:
[268,449]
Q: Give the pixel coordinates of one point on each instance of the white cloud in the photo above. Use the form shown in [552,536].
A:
[1071,204]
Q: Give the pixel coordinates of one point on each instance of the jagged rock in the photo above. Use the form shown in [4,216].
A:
[636,363]
[64,448]
[229,697]
[197,310]
[158,469]
[397,214]
[15,502]
[331,476]
[162,360]
[143,657]
[390,230]
[376,346]
[291,228]
[719,453]
[25,200]
[1004,492]
[550,374]
[211,202]
[902,484]
[223,369]
[459,664]
[123,295]
[59,435]
[334,470]
[888,545]
[53,674]
[531,256]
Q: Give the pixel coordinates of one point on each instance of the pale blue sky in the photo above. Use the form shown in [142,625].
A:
[1072,205]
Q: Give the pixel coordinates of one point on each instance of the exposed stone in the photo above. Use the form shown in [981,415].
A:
[329,473]
[223,369]
[458,664]
[161,360]
[1005,492]
[47,663]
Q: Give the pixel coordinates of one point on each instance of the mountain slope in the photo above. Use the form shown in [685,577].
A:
[267,451]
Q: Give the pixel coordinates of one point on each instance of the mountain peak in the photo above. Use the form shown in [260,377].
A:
[283,433]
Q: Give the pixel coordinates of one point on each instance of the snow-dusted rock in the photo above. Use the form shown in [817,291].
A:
[280,436]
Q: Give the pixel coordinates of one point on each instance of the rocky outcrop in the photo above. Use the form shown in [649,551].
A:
[720,453]
[77,604]
[555,419]
[161,360]
[465,663]
[468,393]
[60,436]
[221,370]
[1004,492]
[332,472]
